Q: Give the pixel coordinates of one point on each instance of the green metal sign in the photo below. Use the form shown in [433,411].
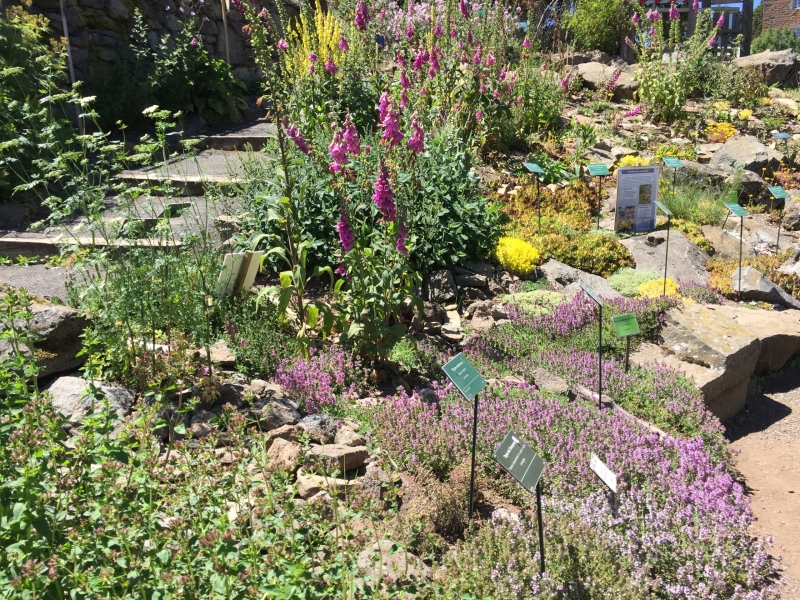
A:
[521,462]
[533,168]
[663,208]
[592,294]
[598,170]
[736,210]
[464,376]
[673,162]
[625,325]
[781,135]
[778,192]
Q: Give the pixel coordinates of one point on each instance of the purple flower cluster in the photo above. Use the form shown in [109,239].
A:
[416,143]
[346,237]
[293,133]
[383,195]
[362,15]
[699,292]
[319,380]
[681,520]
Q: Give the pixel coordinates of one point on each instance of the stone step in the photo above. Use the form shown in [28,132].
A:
[252,136]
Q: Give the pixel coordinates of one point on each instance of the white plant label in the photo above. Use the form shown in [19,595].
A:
[605,474]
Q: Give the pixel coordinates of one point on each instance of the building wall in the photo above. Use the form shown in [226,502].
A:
[780,13]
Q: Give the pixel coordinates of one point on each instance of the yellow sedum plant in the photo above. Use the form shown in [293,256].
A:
[319,36]
[655,289]
[516,256]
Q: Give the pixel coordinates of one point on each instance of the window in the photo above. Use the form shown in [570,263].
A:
[795,4]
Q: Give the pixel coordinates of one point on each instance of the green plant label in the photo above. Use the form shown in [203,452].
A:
[521,462]
[464,376]
[778,192]
[781,135]
[736,209]
[605,474]
[592,294]
[598,170]
[663,208]
[533,168]
[625,325]
[673,162]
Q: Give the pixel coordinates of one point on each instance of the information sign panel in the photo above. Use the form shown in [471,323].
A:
[736,210]
[464,376]
[521,462]
[637,192]
[598,170]
[673,162]
[625,325]
[778,192]
[592,294]
[781,135]
[533,168]
[605,474]
[663,208]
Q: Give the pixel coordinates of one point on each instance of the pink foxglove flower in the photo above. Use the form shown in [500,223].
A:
[343,45]
[478,115]
[346,237]
[712,41]
[453,32]
[362,15]
[490,60]
[416,143]
[410,33]
[421,58]
[721,20]
[403,99]
[383,196]
[383,105]
[482,89]
[405,82]
[293,133]
[401,60]
[337,151]
[352,142]
[696,5]
[437,31]
[401,240]
[282,44]
[462,6]
[673,12]
[330,67]
[502,75]
[496,94]
[543,69]
[635,17]
[627,41]
[526,43]
[391,128]
[313,58]
[565,83]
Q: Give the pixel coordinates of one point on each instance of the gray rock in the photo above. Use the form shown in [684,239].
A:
[791,266]
[718,354]
[347,437]
[200,425]
[117,10]
[432,317]
[310,485]
[230,393]
[568,276]
[221,354]
[756,286]
[686,262]
[385,561]
[266,389]
[440,287]
[791,216]
[337,457]
[320,427]
[284,455]
[596,76]
[548,382]
[59,329]
[777,67]
[472,280]
[272,414]
[747,152]
[69,398]
[481,268]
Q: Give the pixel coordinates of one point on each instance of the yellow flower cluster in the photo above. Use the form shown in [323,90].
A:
[516,256]
[765,101]
[719,132]
[319,36]
[722,106]
[744,114]
[654,289]
[633,161]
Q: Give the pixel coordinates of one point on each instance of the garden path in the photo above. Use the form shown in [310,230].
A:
[767,437]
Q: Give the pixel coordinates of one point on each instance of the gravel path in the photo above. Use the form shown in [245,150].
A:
[767,437]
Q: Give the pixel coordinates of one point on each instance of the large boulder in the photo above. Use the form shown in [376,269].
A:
[69,397]
[791,266]
[319,427]
[440,287]
[339,457]
[752,188]
[757,286]
[596,76]
[747,152]
[570,277]
[779,332]
[686,262]
[719,355]
[777,67]
[791,215]
[59,329]
[273,414]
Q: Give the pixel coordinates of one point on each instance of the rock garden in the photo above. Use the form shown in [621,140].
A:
[224,317]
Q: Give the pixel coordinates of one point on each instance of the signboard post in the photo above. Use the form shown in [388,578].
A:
[606,475]
[524,465]
[626,325]
[599,303]
[238,273]
[469,382]
[598,170]
[673,162]
[637,191]
[737,211]
[538,172]
[778,193]
[667,212]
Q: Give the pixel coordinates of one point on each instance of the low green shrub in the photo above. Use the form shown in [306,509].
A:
[627,281]
[599,24]
[778,38]
[536,302]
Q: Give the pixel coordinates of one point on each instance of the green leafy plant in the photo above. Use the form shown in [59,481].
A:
[775,38]
[599,24]
[627,281]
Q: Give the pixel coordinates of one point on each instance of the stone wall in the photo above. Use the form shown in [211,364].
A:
[99,29]
[779,13]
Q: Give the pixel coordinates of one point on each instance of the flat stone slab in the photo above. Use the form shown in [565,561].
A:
[717,353]
[50,284]
[686,262]
[570,277]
